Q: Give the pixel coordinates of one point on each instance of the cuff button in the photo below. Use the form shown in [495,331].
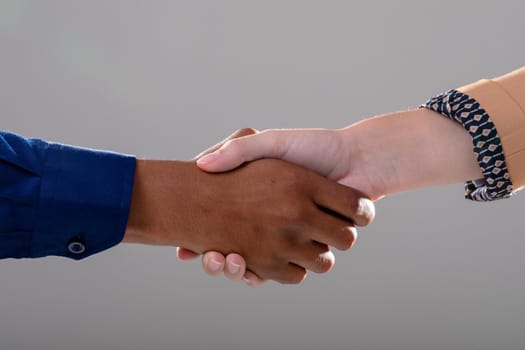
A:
[76,247]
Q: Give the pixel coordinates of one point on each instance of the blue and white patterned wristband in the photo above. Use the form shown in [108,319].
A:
[487,144]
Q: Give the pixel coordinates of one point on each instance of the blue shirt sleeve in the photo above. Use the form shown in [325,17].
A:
[61,200]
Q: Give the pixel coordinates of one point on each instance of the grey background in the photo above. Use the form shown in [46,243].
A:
[166,79]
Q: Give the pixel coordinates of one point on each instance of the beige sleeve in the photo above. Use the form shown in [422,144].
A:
[503,99]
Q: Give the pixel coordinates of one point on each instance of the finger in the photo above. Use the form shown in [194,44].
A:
[239,133]
[290,274]
[252,279]
[213,263]
[235,267]
[186,254]
[332,231]
[343,201]
[266,144]
[315,257]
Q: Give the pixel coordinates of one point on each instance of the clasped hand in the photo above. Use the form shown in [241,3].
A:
[269,219]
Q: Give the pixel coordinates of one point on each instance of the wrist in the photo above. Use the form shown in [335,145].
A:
[411,149]
[373,167]
[137,226]
[148,222]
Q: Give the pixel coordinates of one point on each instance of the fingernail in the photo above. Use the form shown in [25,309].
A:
[214,265]
[209,158]
[233,268]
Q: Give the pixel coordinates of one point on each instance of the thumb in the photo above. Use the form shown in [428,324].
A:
[239,133]
[266,144]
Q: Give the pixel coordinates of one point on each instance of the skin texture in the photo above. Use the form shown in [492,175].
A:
[379,156]
[233,265]
[280,217]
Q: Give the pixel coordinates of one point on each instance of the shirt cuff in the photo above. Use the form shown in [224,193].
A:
[84,203]
[504,100]
[467,111]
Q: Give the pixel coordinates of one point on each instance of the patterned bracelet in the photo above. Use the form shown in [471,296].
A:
[465,110]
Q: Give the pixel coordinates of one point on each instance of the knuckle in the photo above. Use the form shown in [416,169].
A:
[232,145]
[295,213]
[301,214]
[235,148]
[352,204]
[290,240]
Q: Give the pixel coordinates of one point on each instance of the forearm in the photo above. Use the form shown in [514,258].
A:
[409,150]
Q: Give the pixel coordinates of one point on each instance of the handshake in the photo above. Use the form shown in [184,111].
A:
[270,205]
[271,217]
